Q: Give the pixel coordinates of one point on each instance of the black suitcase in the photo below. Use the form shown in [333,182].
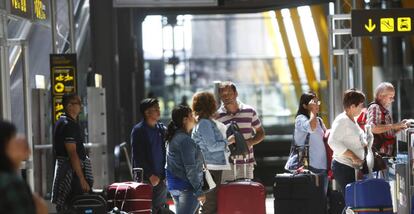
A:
[336,202]
[88,204]
[299,194]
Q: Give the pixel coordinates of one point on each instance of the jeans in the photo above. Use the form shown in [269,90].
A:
[323,175]
[185,201]
[343,175]
[159,197]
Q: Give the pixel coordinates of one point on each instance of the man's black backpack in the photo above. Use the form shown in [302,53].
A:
[239,147]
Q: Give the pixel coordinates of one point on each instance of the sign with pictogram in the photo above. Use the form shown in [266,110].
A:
[63,78]
[389,22]
[404,24]
[387,25]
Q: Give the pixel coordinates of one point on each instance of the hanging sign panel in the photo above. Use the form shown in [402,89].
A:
[21,8]
[63,76]
[35,10]
[40,10]
[164,3]
[389,22]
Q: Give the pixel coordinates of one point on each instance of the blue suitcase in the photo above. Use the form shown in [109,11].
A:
[370,196]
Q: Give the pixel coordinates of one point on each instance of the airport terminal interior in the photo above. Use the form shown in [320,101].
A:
[115,53]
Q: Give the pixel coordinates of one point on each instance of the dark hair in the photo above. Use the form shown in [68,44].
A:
[353,97]
[305,98]
[146,104]
[67,98]
[204,104]
[7,132]
[177,116]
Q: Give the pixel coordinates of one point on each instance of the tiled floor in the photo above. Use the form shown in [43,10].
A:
[269,205]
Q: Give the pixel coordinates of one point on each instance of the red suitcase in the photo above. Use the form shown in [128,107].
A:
[241,197]
[131,197]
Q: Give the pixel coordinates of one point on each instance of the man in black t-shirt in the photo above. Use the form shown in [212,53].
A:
[72,164]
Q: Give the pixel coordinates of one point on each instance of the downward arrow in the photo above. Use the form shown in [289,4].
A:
[370,27]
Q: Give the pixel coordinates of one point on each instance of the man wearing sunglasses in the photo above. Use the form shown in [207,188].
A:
[72,164]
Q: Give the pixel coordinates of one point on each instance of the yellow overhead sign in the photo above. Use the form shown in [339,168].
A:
[63,77]
[21,8]
[34,10]
[40,9]
[388,22]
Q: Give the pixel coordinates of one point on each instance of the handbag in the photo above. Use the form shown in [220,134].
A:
[379,163]
[298,156]
[208,181]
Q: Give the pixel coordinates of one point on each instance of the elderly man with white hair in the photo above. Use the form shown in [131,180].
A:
[380,119]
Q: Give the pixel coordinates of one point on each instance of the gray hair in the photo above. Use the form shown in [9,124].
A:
[383,87]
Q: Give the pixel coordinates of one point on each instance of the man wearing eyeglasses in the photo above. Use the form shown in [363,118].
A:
[72,164]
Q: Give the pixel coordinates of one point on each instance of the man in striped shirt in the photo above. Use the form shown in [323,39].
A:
[248,121]
[379,117]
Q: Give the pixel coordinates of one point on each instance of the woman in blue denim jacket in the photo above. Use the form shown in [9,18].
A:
[184,168]
[212,142]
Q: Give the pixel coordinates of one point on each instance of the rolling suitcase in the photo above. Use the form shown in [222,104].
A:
[335,201]
[88,203]
[241,196]
[370,196]
[131,197]
[299,194]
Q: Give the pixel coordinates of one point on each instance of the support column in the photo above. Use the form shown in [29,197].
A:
[140,69]
[5,105]
[103,33]
[129,70]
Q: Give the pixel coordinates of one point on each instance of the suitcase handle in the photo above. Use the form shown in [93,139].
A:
[125,195]
[244,170]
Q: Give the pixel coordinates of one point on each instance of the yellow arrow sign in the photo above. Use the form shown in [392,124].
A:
[370,27]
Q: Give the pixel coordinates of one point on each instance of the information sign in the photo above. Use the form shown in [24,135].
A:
[389,22]
[63,78]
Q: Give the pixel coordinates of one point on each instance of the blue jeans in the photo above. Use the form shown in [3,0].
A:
[343,175]
[159,197]
[323,175]
[185,201]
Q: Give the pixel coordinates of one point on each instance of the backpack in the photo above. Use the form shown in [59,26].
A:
[240,146]
[329,154]
[362,118]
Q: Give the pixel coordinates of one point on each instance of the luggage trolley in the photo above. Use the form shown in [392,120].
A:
[404,171]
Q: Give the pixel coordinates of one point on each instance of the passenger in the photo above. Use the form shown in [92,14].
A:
[212,142]
[15,194]
[73,173]
[148,151]
[308,122]
[184,101]
[347,140]
[380,119]
[184,166]
[247,119]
